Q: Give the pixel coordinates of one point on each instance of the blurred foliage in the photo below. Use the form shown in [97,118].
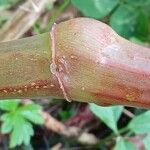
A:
[17,120]
[109,115]
[5,4]
[124,145]
[95,8]
[129,18]
[139,125]
[146,142]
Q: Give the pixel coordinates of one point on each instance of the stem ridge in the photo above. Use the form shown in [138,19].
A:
[53,66]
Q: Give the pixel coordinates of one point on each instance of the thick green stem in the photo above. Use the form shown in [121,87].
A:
[83,60]
[25,69]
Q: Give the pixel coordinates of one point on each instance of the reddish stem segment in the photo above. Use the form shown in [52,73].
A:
[100,66]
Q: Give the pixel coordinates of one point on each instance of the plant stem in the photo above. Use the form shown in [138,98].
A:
[25,69]
[113,135]
[123,130]
[83,60]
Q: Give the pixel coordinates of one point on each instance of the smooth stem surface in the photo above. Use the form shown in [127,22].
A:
[82,59]
[25,69]
[101,67]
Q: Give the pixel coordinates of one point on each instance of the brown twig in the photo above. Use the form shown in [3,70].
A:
[23,19]
[57,146]
[58,127]
[74,132]
[128,113]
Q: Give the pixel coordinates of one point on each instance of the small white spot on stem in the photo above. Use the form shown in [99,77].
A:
[83,88]
[19,91]
[5,91]
[52,85]
[33,84]
[73,57]
[37,87]
[44,87]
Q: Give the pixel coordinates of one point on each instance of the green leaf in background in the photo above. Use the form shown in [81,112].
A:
[27,147]
[7,125]
[124,145]
[138,2]
[9,105]
[18,122]
[4,4]
[146,142]
[129,21]
[65,114]
[142,27]
[32,113]
[137,41]
[109,115]
[144,4]
[21,132]
[95,8]
[140,124]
